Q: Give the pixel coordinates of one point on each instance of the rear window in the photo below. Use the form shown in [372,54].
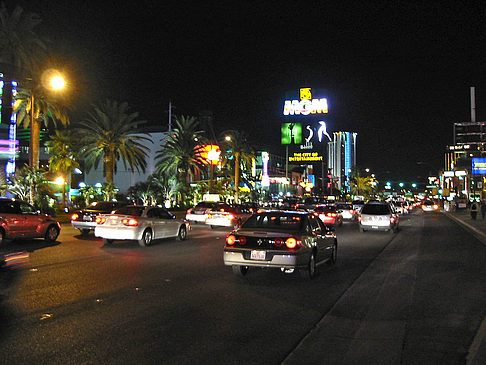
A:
[108,206]
[272,221]
[377,209]
[131,210]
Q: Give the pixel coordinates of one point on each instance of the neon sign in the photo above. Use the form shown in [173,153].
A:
[265,177]
[306,105]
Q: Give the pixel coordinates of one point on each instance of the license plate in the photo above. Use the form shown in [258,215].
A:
[257,255]
[374,227]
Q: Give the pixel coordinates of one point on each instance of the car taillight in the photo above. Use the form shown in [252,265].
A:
[242,240]
[131,222]
[278,242]
[331,214]
[351,211]
[292,242]
[392,219]
[230,240]
[423,207]
[100,220]
[359,218]
[259,210]
[75,217]
[230,217]
[436,207]
[189,211]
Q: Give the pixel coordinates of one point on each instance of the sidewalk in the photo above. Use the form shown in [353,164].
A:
[477,351]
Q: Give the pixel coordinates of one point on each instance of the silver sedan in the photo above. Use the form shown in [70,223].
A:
[141,223]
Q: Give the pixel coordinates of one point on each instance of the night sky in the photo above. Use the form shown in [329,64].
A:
[397,73]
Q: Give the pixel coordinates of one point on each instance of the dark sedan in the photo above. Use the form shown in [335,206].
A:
[287,240]
[85,219]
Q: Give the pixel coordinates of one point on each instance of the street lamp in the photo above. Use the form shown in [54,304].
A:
[60,181]
[52,80]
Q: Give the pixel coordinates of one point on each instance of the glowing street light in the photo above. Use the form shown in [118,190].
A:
[61,182]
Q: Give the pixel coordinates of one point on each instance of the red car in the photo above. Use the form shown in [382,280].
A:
[329,215]
[19,219]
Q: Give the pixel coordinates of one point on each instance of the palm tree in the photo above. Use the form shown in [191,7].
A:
[109,134]
[360,184]
[238,150]
[179,156]
[64,157]
[21,52]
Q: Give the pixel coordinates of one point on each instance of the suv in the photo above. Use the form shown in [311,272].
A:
[379,216]
[19,219]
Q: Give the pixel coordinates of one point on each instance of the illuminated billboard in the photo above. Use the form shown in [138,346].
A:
[291,133]
[307,104]
[479,166]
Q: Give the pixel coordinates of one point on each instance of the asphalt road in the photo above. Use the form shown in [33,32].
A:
[415,297]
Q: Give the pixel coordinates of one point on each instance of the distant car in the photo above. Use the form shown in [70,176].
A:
[401,207]
[429,206]
[19,219]
[141,223]
[85,219]
[378,216]
[224,215]
[311,203]
[358,205]
[287,240]
[329,214]
[347,211]
[199,212]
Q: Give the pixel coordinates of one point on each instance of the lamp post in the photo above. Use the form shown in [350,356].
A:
[60,181]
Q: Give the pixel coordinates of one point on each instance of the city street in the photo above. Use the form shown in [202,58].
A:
[415,297]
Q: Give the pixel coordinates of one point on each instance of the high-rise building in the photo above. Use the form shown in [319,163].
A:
[341,158]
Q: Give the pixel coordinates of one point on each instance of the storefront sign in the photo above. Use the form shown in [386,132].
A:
[306,157]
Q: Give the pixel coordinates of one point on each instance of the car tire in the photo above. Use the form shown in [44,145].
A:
[310,271]
[240,270]
[107,241]
[332,260]
[146,239]
[182,234]
[52,233]
[84,231]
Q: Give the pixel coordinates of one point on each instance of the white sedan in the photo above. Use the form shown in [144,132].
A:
[141,223]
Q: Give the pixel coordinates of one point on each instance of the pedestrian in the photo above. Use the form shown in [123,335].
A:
[483,208]
[474,210]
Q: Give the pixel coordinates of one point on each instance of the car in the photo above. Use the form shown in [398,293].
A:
[286,240]
[311,203]
[347,211]
[378,216]
[358,205]
[429,206]
[401,207]
[85,219]
[141,223]
[19,219]
[199,212]
[329,214]
[224,215]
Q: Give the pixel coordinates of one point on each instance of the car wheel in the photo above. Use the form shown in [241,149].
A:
[107,241]
[146,239]
[240,270]
[333,258]
[51,233]
[182,235]
[84,231]
[310,271]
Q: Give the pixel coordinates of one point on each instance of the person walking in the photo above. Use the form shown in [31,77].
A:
[474,210]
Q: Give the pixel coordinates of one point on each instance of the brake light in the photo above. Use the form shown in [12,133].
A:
[331,214]
[359,218]
[291,242]
[278,242]
[351,211]
[230,240]
[75,217]
[392,219]
[259,210]
[436,207]
[230,217]
[131,222]
[100,220]
[189,211]
[242,240]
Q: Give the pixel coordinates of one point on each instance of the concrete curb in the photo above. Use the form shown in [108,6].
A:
[481,236]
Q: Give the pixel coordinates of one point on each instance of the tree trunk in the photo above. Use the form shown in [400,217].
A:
[237,178]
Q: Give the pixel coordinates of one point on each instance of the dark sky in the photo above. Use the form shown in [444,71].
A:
[397,72]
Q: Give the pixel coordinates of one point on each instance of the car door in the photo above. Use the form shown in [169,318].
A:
[171,225]
[12,218]
[31,220]
[325,239]
[154,220]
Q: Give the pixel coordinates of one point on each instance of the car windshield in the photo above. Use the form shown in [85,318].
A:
[135,210]
[276,221]
[377,209]
[328,208]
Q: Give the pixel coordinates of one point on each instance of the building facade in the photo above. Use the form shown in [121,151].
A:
[341,158]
